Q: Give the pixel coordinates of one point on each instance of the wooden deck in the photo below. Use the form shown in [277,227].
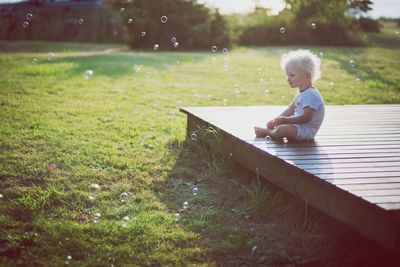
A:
[351,171]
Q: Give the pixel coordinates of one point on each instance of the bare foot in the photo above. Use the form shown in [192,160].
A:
[261,132]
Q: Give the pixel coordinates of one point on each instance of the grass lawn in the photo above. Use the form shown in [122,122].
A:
[93,170]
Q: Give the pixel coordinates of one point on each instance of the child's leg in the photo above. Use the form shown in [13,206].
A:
[262,132]
[284,130]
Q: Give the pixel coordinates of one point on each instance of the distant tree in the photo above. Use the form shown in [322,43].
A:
[316,22]
[193,25]
[328,16]
[359,6]
[369,25]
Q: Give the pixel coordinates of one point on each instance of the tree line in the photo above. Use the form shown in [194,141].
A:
[188,25]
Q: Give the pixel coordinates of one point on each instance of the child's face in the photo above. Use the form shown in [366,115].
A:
[297,77]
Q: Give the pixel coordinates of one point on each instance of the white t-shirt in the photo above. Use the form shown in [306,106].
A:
[313,99]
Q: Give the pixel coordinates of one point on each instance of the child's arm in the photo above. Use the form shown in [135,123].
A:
[289,111]
[306,117]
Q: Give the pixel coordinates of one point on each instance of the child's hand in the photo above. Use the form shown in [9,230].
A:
[275,122]
[278,121]
[270,124]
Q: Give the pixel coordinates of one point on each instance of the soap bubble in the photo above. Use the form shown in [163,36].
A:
[164,19]
[254,250]
[282,30]
[214,48]
[122,10]
[177,216]
[195,191]
[176,44]
[173,40]
[156,46]
[237,89]
[130,20]
[50,56]
[25,24]
[143,34]
[29,16]
[185,205]
[225,50]
[352,63]
[80,21]
[34,61]
[95,186]
[136,68]
[268,138]
[193,136]
[88,74]
[313,26]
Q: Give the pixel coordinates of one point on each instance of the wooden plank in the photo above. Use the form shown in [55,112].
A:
[377,152]
[342,156]
[330,153]
[354,188]
[348,140]
[322,145]
[352,166]
[382,199]
[389,206]
[365,175]
[303,149]
[350,169]
[370,180]
[382,192]
[340,161]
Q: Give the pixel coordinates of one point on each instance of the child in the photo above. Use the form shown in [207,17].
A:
[303,117]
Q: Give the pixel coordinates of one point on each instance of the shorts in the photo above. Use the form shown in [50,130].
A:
[304,132]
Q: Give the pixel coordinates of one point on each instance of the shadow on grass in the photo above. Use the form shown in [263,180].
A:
[243,220]
[116,65]
[48,46]
[374,74]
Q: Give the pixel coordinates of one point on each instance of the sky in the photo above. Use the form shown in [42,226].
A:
[384,8]
[381,8]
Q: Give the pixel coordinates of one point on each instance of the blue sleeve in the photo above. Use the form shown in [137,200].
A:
[312,101]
